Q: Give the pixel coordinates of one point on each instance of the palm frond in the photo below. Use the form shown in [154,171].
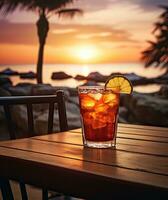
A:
[157,52]
[165,13]
[50,5]
[8,6]
[69,12]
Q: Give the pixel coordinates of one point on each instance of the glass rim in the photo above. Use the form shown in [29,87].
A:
[96,87]
[91,87]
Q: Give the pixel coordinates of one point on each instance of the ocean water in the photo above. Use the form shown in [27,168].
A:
[85,69]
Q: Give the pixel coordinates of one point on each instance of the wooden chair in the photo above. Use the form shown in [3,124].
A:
[29,101]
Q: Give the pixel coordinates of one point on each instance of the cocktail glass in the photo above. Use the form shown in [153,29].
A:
[99,116]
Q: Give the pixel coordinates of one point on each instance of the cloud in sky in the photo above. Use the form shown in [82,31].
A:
[17,33]
[91,5]
[60,35]
[92,35]
[149,4]
[99,4]
[64,31]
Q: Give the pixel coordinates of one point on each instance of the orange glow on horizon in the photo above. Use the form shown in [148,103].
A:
[22,54]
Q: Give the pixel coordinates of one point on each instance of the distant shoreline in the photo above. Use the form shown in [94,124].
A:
[84,69]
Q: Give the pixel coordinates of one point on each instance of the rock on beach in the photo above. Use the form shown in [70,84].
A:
[9,72]
[60,75]
[28,75]
[146,109]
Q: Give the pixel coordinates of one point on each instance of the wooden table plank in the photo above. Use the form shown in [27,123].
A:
[145,147]
[144,127]
[145,132]
[121,159]
[142,137]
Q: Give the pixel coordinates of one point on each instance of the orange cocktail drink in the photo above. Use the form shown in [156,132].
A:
[99,114]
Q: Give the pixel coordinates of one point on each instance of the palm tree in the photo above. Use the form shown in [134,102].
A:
[157,53]
[45,9]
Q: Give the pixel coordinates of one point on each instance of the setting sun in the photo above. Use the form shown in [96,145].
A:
[86,53]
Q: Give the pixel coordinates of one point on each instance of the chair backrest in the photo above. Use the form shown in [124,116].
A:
[6,102]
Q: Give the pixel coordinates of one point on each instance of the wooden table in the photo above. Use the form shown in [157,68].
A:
[137,168]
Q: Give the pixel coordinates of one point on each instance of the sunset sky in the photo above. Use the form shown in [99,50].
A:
[109,31]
